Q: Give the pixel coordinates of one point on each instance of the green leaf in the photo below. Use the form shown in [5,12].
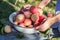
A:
[2,30]
[20,35]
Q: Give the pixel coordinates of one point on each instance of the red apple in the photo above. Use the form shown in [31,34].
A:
[34,10]
[41,18]
[30,26]
[22,25]
[20,18]
[36,23]
[27,22]
[39,21]
[27,14]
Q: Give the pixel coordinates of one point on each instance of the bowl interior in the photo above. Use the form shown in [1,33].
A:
[19,28]
[11,17]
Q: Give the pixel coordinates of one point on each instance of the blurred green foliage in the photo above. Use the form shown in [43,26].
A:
[49,7]
[8,6]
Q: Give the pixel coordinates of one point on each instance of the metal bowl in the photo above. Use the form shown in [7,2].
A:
[19,28]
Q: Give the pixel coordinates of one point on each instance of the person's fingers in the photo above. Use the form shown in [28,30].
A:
[58,16]
[40,11]
[47,24]
[37,27]
[44,26]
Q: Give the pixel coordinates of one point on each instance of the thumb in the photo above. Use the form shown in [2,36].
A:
[38,27]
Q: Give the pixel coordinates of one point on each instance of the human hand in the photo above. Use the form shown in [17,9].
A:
[44,26]
[48,23]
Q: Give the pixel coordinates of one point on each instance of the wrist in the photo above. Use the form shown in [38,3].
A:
[58,17]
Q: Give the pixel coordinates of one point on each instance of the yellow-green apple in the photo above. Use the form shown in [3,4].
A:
[7,29]
[34,17]
[20,18]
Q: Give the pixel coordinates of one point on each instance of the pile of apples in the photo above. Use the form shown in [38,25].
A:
[29,18]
